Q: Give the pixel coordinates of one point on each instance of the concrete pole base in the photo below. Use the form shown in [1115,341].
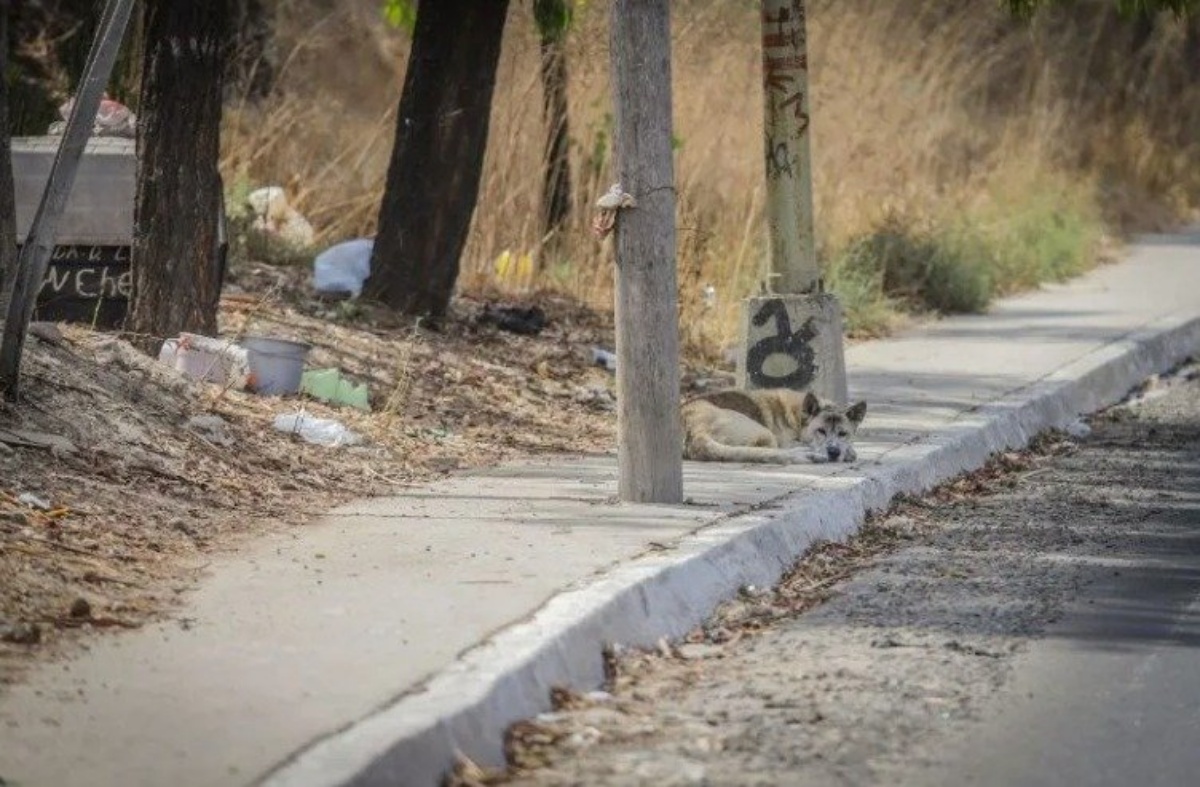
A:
[793,341]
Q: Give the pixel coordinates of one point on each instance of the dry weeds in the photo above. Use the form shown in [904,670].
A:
[927,115]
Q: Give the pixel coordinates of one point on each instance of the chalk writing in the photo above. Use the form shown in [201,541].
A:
[91,284]
[795,345]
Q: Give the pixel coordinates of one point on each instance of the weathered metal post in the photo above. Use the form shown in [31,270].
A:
[791,335]
[39,244]
[649,433]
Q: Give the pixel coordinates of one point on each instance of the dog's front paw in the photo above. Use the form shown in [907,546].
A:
[816,458]
[850,455]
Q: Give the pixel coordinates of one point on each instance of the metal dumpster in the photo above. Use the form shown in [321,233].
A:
[89,279]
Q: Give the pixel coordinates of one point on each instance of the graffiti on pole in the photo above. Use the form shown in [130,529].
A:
[785,62]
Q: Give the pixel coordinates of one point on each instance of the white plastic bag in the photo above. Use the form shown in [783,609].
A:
[343,267]
[322,431]
[274,216]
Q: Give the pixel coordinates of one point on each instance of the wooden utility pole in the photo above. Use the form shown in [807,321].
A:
[650,437]
[39,243]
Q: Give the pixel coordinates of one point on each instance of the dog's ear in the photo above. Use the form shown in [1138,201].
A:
[857,413]
[812,405]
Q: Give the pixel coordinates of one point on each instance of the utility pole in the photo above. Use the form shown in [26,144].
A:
[792,334]
[39,243]
[650,441]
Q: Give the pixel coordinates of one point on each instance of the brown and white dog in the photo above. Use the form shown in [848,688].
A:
[772,425]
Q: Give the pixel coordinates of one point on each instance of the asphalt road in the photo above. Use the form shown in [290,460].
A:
[1048,634]
[1110,695]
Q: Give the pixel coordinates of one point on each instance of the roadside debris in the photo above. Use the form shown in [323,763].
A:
[602,357]
[276,365]
[275,217]
[343,268]
[33,501]
[322,431]
[205,358]
[113,119]
[514,269]
[328,385]
[524,321]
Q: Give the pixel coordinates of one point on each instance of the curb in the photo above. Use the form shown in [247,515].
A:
[412,740]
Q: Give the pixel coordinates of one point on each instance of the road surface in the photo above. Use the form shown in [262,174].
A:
[1047,633]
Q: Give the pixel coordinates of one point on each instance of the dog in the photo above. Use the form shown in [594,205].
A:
[770,426]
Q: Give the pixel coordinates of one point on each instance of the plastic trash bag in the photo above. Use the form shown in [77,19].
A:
[113,119]
[343,267]
[275,216]
[322,431]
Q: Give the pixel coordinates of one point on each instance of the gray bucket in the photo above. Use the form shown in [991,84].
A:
[276,365]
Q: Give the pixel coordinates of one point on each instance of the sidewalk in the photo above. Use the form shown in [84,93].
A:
[366,648]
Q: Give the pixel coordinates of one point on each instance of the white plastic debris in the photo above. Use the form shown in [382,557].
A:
[343,267]
[113,119]
[1078,429]
[274,216]
[322,431]
[604,358]
[204,358]
[33,501]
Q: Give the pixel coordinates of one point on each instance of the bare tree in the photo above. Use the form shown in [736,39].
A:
[176,279]
[441,135]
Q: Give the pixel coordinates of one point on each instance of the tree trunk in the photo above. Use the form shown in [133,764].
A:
[8,218]
[437,160]
[176,276]
[556,184]
[250,69]
[650,442]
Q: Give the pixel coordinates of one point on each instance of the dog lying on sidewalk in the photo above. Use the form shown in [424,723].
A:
[771,426]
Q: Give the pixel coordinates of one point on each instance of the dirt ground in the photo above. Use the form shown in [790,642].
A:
[113,498]
[871,652]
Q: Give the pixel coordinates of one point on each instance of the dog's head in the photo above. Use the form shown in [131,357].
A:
[829,429]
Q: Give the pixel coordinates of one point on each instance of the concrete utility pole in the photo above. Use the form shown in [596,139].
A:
[650,442]
[791,336]
[39,243]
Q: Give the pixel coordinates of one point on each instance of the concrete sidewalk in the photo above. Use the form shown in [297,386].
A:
[367,648]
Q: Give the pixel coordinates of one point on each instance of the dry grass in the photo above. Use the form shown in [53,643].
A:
[943,119]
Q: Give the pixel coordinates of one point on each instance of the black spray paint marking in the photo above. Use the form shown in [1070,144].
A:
[797,345]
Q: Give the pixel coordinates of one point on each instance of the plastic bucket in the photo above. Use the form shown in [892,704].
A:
[276,365]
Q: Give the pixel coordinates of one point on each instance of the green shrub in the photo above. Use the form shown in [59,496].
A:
[1042,231]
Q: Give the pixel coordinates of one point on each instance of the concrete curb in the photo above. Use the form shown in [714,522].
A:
[412,740]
